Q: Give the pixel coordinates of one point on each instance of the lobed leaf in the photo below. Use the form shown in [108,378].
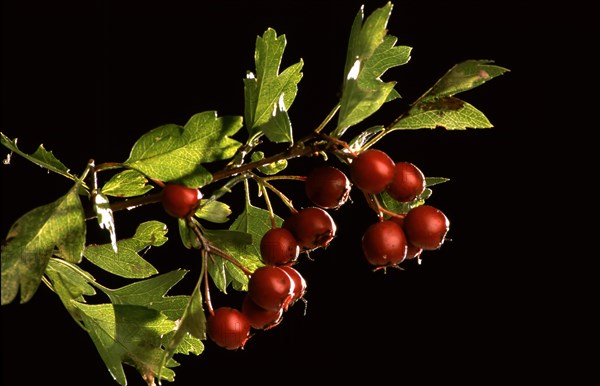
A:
[127,262]
[131,334]
[450,113]
[57,228]
[371,52]
[269,94]
[128,183]
[40,157]
[172,152]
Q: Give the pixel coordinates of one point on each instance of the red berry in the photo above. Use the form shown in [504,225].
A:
[228,328]
[299,283]
[313,227]
[271,288]
[411,250]
[426,227]
[278,246]
[327,187]
[384,243]
[258,317]
[372,171]
[408,182]
[179,200]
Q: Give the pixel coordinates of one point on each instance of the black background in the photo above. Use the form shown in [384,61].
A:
[86,79]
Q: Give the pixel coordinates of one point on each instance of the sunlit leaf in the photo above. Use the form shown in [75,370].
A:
[128,183]
[269,94]
[175,153]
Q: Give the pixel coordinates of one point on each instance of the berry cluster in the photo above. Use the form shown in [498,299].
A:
[277,284]
[401,236]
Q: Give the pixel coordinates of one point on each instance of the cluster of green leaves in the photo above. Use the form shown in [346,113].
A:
[141,325]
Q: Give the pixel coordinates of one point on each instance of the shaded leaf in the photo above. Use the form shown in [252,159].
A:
[32,240]
[127,262]
[222,271]
[40,157]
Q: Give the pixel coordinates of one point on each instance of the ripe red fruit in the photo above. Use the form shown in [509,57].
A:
[408,182]
[271,288]
[258,317]
[372,171]
[384,243]
[327,187]
[411,250]
[179,200]
[278,246]
[313,227]
[299,283]
[228,328]
[426,227]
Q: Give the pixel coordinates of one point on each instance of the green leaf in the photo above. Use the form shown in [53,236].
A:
[463,77]
[403,207]
[130,334]
[40,157]
[256,222]
[371,52]
[439,108]
[32,240]
[269,169]
[175,153]
[431,181]
[128,183]
[190,330]
[68,283]
[127,262]
[222,271]
[269,94]
[449,112]
[214,211]
[145,297]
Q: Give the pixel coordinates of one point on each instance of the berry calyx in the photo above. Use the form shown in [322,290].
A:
[426,227]
[228,328]
[372,171]
[384,243]
[180,200]
[258,317]
[270,287]
[327,187]
[278,246]
[408,182]
[313,227]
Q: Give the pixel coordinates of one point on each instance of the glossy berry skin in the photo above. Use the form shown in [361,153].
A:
[384,243]
[408,182]
[271,288]
[278,246]
[258,317]
[372,171]
[426,227]
[179,200]
[313,227]
[411,251]
[228,328]
[327,187]
[299,283]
